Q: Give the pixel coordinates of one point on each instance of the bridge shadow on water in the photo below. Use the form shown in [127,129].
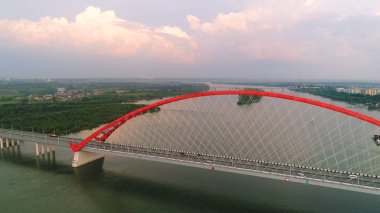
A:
[116,192]
[121,187]
[124,186]
[46,162]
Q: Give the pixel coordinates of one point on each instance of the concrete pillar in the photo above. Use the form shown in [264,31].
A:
[18,142]
[42,149]
[53,154]
[6,142]
[37,149]
[13,142]
[1,143]
[47,148]
[84,157]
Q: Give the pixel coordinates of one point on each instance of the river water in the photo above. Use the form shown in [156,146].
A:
[128,185]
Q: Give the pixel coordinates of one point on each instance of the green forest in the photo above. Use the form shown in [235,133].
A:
[64,117]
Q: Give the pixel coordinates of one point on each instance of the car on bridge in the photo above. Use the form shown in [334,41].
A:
[353,177]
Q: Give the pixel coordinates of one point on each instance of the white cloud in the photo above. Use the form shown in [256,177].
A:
[174,31]
[292,30]
[268,15]
[102,32]
[309,3]
[256,32]
[193,21]
[295,30]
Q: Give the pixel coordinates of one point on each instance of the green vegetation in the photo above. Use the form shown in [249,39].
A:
[373,102]
[61,117]
[14,92]
[249,99]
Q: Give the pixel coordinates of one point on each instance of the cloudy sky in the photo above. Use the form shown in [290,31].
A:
[255,39]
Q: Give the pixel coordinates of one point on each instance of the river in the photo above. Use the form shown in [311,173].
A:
[128,185]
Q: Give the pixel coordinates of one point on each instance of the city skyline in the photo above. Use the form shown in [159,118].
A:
[147,39]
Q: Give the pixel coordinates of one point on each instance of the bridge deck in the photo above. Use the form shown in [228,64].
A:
[245,166]
[295,173]
[37,137]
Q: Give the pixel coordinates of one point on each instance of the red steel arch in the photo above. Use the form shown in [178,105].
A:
[103,133]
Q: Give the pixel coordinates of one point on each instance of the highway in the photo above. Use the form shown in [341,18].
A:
[213,161]
[247,164]
[37,137]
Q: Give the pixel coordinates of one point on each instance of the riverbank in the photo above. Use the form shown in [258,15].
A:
[358,100]
[66,117]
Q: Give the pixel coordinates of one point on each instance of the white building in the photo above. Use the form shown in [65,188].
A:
[340,89]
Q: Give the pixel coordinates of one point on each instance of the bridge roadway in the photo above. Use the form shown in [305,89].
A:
[37,137]
[288,172]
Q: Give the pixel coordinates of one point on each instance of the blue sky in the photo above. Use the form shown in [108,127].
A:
[289,39]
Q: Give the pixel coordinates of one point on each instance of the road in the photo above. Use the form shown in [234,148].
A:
[214,161]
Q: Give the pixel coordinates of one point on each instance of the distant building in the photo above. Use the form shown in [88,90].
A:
[61,90]
[47,97]
[372,92]
[356,91]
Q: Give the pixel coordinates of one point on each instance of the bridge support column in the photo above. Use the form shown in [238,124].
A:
[52,149]
[84,157]
[49,148]
[42,149]
[37,149]
[1,143]
[6,142]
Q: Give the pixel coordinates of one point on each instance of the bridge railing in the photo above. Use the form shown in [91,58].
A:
[38,137]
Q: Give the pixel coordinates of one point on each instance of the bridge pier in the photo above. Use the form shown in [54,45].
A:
[49,149]
[42,149]
[37,149]
[7,142]
[83,157]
